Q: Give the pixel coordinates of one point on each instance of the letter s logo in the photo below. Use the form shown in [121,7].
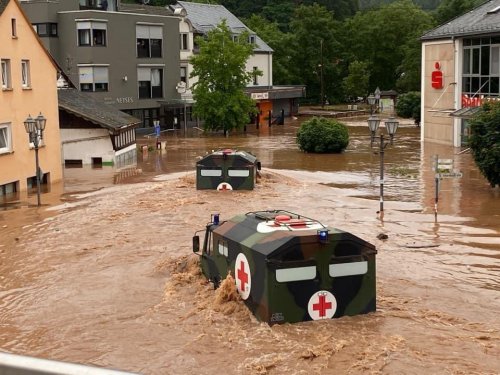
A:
[437,77]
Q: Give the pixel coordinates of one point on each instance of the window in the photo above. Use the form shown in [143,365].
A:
[91,33]
[46,29]
[285,275]
[184,74]
[251,39]
[495,61]
[5,138]
[150,82]
[184,41]
[481,67]
[93,78]
[124,139]
[9,188]
[6,82]
[348,269]
[149,40]
[196,46]
[25,74]
[212,172]
[93,4]
[223,250]
[14,28]
[238,172]
[255,74]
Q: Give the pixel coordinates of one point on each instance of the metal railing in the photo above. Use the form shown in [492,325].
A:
[13,364]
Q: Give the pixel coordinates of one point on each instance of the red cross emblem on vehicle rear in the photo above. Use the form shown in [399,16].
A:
[322,305]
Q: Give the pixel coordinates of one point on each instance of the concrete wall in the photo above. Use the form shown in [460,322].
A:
[85,144]
[17,103]
[264,62]
[437,125]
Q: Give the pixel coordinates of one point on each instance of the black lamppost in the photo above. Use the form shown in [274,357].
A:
[35,128]
[391,126]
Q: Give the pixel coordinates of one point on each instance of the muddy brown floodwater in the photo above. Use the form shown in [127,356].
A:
[103,273]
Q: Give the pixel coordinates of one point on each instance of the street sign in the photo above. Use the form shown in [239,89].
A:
[451,174]
[444,165]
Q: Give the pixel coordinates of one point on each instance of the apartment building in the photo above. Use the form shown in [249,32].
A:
[125,59]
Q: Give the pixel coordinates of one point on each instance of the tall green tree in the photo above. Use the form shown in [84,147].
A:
[356,83]
[220,69]
[341,8]
[279,11]
[388,37]
[315,51]
[449,9]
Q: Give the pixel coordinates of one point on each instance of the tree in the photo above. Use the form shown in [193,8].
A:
[322,135]
[484,141]
[449,9]
[314,51]
[408,105]
[356,83]
[388,38]
[220,68]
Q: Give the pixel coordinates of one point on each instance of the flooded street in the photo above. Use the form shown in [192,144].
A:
[103,274]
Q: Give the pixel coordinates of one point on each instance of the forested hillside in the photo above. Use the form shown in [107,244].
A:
[355,45]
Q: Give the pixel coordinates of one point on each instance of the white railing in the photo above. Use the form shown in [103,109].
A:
[14,364]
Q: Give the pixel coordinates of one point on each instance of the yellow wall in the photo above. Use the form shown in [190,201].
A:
[18,103]
[437,124]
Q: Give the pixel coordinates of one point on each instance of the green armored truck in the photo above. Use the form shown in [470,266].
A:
[227,170]
[288,267]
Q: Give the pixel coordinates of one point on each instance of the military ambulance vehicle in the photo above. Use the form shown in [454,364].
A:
[227,169]
[288,267]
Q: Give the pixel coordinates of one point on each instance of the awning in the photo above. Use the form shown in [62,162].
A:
[466,112]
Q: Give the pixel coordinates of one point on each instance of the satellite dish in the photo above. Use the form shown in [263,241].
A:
[145,2]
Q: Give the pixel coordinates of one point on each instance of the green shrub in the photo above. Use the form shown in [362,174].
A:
[484,141]
[408,105]
[322,135]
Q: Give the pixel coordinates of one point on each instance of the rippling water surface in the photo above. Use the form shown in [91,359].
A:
[103,273]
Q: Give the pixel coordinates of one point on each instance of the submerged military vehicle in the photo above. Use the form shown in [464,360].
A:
[227,169]
[288,267]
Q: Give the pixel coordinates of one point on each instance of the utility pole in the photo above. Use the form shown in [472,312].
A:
[321,75]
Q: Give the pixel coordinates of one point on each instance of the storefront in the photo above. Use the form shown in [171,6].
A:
[460,70]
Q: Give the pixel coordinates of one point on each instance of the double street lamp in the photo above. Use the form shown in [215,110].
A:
[35,127]
[391,126]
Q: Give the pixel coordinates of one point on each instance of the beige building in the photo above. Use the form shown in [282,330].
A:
[28,87]
[460,71]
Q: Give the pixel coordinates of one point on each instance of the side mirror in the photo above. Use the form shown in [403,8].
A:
[196,244]
[259,166]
